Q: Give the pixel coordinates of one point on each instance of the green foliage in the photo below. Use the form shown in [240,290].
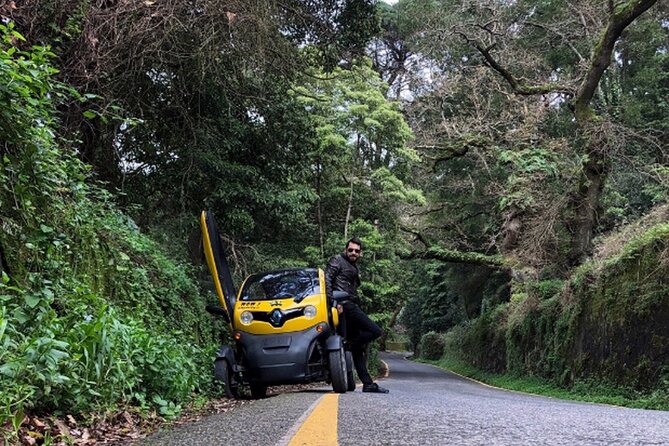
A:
[506,159]
[450,294]
[83,361]
[229,139]
[545,289]
[487,330]
[431,345]
[29,87]
[532,160]
[92,314]
[381,291]
[393,188]
[288,135]
[359,145]
[528,165]
[357,23]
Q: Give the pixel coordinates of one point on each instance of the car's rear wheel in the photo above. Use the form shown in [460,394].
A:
[338,370]
[223,376]
[258,391]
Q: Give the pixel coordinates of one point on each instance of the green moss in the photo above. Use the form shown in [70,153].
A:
[654,238]
[483,342]
[450,255]
[607,322]
[518,297]
[545,289]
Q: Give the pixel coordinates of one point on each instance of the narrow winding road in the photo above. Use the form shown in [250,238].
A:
[425,406]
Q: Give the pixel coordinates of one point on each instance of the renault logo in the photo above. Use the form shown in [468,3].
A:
[276,318]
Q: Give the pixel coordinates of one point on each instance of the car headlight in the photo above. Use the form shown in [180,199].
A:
[309,312]
[246,317]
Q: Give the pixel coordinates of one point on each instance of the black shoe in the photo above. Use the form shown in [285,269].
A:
[374,388]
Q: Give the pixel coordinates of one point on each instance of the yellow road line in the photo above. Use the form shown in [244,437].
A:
[320,427]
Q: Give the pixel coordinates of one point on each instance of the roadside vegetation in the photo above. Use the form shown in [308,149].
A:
[94,316]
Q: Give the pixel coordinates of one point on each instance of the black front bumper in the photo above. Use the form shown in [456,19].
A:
[284,358]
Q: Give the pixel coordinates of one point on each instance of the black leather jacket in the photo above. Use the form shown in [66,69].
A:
[341,275]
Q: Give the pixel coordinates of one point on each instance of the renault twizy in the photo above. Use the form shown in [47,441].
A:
[284,329]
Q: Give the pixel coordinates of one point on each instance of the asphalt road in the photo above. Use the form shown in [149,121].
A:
[428,406]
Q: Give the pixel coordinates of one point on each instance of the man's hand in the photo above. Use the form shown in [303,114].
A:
[340,309]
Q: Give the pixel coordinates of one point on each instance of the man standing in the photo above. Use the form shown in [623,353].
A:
[342,274]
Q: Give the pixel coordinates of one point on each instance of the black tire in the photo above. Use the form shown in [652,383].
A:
[258,391]
[350,379]
[338,370]
[223,375]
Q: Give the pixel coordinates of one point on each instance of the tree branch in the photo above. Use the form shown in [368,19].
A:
[447,152]
[453,256]
[455,147]
[429,211]
[520,87]
[622,15]
[418,236]
[562,36]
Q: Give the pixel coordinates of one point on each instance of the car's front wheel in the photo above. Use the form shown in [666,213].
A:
[338,370]
[223,376]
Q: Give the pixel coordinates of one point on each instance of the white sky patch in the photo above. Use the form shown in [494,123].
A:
[255,116]
[618,57]
[419,77]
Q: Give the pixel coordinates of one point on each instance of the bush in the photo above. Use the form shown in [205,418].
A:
[432,345]
[92,313]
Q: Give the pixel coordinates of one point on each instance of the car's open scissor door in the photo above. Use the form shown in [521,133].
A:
[214,252]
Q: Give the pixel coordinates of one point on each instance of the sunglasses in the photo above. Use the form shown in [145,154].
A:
[357,251]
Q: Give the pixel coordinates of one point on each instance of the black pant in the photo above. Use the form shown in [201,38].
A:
[359,330]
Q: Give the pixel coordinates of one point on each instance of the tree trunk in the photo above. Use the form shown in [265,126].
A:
[4,267]
[319,211]
[584,202]
[585,206]
[348,209]
[384,337]
[511,230]
[586,199]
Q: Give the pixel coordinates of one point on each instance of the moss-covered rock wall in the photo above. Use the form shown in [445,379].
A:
[622,331]
[608,323]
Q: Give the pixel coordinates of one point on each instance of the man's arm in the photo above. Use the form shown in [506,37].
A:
[331,272]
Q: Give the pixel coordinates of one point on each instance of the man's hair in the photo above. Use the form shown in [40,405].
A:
[354,240]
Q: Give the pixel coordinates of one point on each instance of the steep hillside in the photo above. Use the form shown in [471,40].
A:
[606,324]
[92,313]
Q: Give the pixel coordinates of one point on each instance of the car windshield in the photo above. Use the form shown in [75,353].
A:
[298,283]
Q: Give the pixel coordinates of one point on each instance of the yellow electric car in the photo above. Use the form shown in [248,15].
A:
[284,329]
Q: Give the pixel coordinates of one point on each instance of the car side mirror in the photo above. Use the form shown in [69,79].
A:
[218,311]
